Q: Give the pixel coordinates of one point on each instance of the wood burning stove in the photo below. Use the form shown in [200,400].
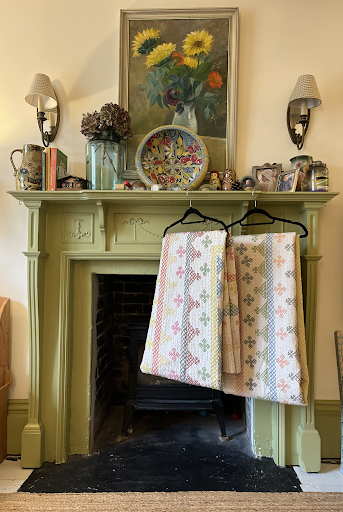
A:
[148,392]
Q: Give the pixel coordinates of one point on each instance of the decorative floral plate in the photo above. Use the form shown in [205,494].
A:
[172,156]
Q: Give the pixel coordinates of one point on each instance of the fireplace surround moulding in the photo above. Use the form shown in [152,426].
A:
[71,236]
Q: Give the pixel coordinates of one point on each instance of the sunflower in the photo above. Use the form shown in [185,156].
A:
[191,62]
[215,80]
[160,55]
[145,42]
[197,42]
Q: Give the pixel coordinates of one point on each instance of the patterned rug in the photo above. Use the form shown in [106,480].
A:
[171,502]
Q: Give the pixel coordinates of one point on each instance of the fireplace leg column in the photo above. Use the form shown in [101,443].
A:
[33,441]
[309,444]
[308,438]
[33,435]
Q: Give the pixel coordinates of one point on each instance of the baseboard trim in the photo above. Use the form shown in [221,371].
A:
[17,406]
[327,415]
[17,415]
[328,424]
[327,407]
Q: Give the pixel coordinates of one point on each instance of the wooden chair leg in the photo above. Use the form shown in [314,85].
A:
[219,410]
[339,356]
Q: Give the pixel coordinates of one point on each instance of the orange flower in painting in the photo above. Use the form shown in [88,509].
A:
[215,80]
[177,59]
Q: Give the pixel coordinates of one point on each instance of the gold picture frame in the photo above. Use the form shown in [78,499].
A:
[267,176]
[147,113]
[287,181]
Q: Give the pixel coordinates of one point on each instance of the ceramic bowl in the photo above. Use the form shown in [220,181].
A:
[172,155]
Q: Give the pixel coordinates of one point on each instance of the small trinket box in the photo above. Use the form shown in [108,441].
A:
[71,183]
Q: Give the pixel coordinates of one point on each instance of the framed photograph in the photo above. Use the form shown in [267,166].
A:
[249,182]
[267,176]
[179,67]
[287,181]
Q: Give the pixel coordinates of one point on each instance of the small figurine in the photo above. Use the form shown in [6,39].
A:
[214,180]
[207,187]
[138,185]
[229,177]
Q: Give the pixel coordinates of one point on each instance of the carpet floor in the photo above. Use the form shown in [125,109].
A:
[169,502]
[166,453]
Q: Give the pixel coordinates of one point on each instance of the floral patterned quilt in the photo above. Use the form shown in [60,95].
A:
[227,314]
[194,329]
[273,347]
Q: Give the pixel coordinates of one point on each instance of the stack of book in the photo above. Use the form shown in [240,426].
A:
[54,168]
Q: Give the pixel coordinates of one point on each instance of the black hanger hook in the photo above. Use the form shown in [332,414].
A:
[271,217]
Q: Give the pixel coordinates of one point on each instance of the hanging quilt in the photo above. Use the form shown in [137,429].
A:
[273,347]
[228,315]
[194,328]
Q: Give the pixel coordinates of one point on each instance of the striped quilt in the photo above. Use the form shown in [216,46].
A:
[273,347]
[227,314]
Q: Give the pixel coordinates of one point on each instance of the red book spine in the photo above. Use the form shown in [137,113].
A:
[53,165]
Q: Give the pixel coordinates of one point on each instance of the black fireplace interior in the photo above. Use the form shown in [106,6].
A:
[173,443]
[121,314]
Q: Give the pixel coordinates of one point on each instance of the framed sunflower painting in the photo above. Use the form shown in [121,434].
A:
[179,67]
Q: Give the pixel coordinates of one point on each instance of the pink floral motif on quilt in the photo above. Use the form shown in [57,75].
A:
[193,335]
[228,315]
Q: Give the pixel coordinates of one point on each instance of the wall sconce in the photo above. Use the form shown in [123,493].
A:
[42,96]
[304,97]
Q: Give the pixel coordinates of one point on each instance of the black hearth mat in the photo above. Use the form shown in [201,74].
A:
[166,453]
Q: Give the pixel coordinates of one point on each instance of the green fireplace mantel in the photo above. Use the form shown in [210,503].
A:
[74,234]
[170,198]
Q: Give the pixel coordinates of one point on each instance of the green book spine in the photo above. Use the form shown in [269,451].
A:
[61,165]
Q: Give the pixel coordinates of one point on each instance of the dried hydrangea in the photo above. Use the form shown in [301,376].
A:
[110,117]
[90,124]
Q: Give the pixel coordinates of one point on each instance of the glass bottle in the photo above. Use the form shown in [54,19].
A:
[318,177]
[104,162]
[302,162]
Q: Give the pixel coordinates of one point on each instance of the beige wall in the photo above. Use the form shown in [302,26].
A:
[76,43]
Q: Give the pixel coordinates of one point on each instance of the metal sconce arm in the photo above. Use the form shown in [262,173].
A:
[48,137]
[296,138]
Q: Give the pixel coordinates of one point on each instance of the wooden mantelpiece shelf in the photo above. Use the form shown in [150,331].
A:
[72,235]
[181,198]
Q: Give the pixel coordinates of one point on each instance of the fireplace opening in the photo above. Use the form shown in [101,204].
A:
[121,394]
